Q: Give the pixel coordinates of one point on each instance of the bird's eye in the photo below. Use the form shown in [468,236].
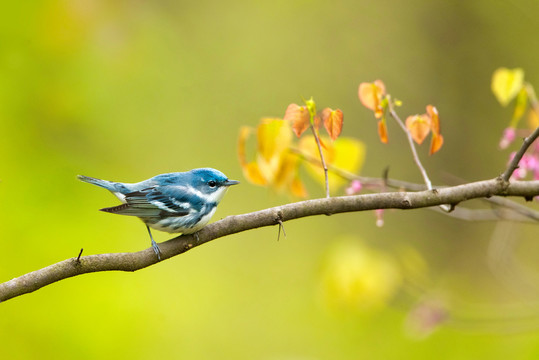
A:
[212,183]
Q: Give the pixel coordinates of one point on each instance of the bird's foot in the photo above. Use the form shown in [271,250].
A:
[156,249]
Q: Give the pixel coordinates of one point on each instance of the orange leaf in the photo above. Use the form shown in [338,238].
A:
[436,143]
[371,95]
[432,112]
[382,131]
[418,126]
[333,121]
[437,139]
[299,117]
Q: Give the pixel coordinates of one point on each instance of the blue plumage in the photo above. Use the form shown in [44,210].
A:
[181,202]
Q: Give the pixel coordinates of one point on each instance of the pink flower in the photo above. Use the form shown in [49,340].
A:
[507,138]
[528,163]
[354,188]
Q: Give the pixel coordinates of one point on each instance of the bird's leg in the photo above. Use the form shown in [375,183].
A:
[154,244]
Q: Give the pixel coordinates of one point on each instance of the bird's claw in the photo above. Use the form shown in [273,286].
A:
[156,250]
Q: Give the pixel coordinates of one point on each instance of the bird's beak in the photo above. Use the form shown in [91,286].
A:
[231,182]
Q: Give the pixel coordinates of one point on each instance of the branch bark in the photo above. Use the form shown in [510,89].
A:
[273,216]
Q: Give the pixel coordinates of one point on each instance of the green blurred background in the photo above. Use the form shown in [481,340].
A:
[124,90]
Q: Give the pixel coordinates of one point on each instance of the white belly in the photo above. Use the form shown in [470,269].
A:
[170,224]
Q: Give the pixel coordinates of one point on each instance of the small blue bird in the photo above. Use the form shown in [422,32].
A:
[181,202]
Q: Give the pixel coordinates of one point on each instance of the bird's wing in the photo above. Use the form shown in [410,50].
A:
[174,198]
[157,201]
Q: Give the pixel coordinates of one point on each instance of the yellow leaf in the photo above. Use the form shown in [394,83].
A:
[355,276]
[273,137]
[506,83]
[297,188]
[333,121]
[418,126]
[344,153]
[250,170]
[286,172]
[275,165]
[252,173]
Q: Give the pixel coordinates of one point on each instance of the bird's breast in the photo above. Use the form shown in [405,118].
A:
[187,224]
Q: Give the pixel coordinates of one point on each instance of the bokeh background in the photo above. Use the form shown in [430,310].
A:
[124,90]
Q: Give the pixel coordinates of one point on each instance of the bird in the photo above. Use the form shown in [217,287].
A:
[178,202]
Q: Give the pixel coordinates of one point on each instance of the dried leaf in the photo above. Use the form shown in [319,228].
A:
[333,121]
[506,83]
[418,126]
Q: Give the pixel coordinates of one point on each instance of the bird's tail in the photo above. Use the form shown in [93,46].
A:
[109,185]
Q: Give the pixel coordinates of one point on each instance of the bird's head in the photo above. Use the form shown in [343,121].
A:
[211,183]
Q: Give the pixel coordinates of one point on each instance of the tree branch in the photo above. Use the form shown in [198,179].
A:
[517,211]
[520,153]
[234,224]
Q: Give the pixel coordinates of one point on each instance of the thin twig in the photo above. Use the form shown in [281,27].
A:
[324,166]
[281,227]
[513,165]
[80,254]
[412,145]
